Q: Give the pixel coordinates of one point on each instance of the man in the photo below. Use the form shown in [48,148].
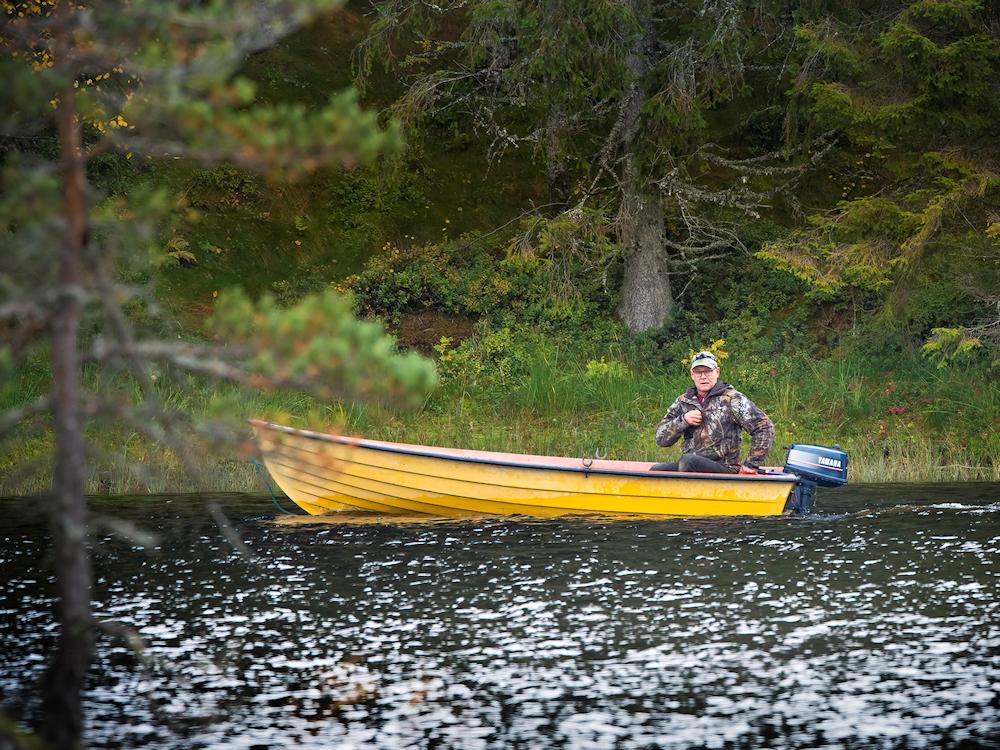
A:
[710,416]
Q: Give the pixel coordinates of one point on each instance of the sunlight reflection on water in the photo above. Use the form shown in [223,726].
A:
[870,624]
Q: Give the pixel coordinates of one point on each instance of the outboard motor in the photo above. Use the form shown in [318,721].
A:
[815,466]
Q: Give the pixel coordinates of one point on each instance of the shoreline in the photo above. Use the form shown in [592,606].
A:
[242,477]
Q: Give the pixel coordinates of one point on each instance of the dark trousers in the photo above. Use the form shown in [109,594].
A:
[691,462]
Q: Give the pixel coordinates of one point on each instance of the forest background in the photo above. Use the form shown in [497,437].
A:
[588,193]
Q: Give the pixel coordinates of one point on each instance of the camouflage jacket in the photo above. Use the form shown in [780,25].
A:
[726,411]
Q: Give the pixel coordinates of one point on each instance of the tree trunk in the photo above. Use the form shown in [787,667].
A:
[646,296]
[556,168]
[64,679]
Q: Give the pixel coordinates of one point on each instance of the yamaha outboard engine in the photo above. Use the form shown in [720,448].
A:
[815,466]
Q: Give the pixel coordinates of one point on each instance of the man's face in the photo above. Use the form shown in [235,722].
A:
[705,378]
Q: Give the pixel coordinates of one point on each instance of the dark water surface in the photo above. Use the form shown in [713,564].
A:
[872,623]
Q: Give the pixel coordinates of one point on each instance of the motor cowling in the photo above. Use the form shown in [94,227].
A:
[815,466]
[826,466]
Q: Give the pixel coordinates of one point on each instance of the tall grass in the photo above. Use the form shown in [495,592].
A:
[124,460]
[887,421]
[915,423]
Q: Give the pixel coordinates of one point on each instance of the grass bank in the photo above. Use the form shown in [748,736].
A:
[914,424]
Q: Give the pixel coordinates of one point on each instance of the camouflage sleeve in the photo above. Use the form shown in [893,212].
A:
[752,419]
[672,426]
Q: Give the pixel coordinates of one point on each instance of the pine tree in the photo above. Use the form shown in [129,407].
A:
[90,79]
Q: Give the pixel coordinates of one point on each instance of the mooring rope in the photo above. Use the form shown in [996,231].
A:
[260,472]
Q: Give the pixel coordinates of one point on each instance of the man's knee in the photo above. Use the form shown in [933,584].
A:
[688,462]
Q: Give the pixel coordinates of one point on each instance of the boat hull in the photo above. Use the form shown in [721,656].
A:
[324,473]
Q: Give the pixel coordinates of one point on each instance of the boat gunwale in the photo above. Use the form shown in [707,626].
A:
[389,447]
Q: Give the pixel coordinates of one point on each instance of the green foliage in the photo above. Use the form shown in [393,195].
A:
[223,187]
[495,358]
[578,80]
[857,247]
[917,188]
[178,249]
[601,369]
[945,65]
[311,280]
[318,341]
[823,42]
[951,346]
[550,276]
[950,61]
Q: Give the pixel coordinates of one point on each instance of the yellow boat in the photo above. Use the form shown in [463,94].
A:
[324,473]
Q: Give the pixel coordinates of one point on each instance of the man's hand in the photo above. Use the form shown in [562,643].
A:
[744,469]
[693,417]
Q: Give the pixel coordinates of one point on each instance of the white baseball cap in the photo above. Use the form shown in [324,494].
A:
[704,359]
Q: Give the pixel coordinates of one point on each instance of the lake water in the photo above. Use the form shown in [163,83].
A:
[873,623]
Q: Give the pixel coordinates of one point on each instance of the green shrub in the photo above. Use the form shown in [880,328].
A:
[224,187]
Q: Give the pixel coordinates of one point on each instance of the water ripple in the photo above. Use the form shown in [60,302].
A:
[870,624]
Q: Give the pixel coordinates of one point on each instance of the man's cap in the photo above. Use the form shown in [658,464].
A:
[704,359]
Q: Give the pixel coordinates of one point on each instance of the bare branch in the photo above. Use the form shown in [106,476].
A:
[201,360]
[758,165]
[229,532]
[130,636]
[291,160]
[744,199]
[21,309]
[127,530]
[12,417]
[210,361]
[153,422]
